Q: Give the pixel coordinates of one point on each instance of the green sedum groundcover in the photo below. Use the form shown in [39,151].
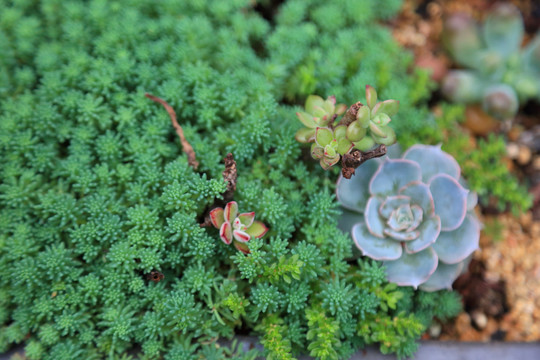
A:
[96,192]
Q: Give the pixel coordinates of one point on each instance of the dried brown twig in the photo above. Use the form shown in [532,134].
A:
[230,177]
[354,159]
[351,114]
[186,146]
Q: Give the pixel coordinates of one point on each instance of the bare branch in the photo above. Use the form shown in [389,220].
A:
[351,161]
[351,114]
[186,146]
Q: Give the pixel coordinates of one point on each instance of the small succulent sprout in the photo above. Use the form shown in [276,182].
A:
[414,215]
[462,38]
[330,145]
[500,100]
[319,113]
[503,29]
[373,118]
[501,74]
[462,86]
[237,228]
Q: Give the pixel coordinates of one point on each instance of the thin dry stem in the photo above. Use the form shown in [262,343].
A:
[186,146]
[351,161]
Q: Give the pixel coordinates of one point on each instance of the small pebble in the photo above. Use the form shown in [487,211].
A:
[479,319]
[512,149]
[524,155]
[536,162]
[435,330]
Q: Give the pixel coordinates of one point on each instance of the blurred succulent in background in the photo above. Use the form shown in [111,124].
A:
[238,227]
[362,127]
[416,216]
[501,74]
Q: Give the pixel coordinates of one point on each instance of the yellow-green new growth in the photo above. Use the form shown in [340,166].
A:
[319,113]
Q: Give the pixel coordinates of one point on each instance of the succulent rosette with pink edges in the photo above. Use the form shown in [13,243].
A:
[415,215]
[237,228]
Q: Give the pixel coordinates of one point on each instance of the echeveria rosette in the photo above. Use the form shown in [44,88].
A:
[237,228]
[329,145]
[417,217]
[319,113]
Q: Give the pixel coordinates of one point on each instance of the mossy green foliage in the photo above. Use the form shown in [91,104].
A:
[96,192]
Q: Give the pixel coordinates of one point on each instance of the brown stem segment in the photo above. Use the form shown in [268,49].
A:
[351,114]
[230,176]
[186,146]
[354,159]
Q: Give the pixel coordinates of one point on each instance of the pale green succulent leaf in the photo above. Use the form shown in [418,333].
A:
[340,132]
[365,144]
[317,152]
[388,139]
[388,107]
[363,116]
[312,101]
[306,119]
[344,146]
[305,135]
[371,96]
[355,131]
[323,136]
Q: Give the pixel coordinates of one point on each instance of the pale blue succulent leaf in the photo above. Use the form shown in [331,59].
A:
[353,193]
[450,200]
[455,246]
[420,195]
[429,230]
[374,247]
[391,203]
[374,222]
[443,277]
[472,196]
[348,219]
[412,269]
[433,161]
[503,29]
[393,151]
[392,175]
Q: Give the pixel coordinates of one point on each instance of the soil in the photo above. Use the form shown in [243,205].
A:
[501,291]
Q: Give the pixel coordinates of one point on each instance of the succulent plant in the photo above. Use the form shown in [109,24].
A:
[329,145]
[501,74]
[319,113]
[416,216]
[333,139]
[237,228]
